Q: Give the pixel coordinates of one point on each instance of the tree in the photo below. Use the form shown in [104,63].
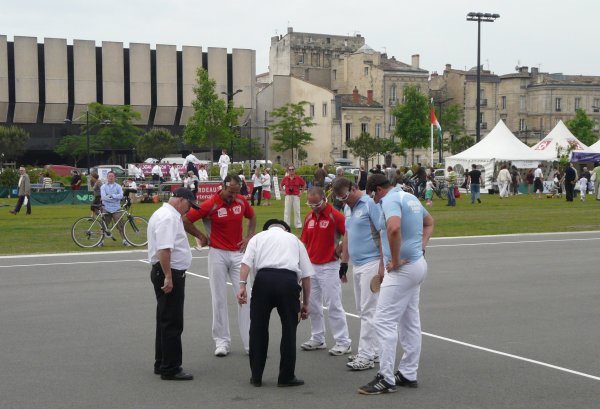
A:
[413,120]
[156,143]
[451,120]
[460,144]
[582,127]
[74,147]
[114,127]
[213,120]
[365,147]
[13,141]
[288,130]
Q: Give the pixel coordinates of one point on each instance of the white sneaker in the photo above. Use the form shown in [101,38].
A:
[312,345]
[353,357]
[221,351]
[339,350]
[361,364]
[126,243]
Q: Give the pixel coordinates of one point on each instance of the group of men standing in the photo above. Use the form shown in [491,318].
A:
[383,235]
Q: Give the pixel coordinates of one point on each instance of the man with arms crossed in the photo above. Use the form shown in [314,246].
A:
[280,262]
[223,215]
[408,228]
[362,244]
[321,234]
[292,186]
[170,256]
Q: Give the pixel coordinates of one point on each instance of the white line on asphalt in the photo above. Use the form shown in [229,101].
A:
[78,262]
[511,242]
[74,254]
[493,351]
[487,236]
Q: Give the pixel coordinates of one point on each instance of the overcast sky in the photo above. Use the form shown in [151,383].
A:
[556,36]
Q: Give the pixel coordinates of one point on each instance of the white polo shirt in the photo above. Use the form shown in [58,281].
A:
[276,248]
[165,231]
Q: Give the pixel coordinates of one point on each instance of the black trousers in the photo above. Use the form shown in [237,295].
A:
[279,289]
[254,190]
[569,187]
[169,321]
[192,167]
[20,203]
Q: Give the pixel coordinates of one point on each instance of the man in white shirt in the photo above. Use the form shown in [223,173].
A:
[504,179]
[224,162]
[190,164]
[139,173]
[174,172]
[538,181]
[202,174]
[170,256]
[280,261]
[157,174]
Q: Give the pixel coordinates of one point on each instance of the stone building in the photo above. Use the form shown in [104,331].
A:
[42,84]
[309,56]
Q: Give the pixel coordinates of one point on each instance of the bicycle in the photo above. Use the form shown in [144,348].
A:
[88,232]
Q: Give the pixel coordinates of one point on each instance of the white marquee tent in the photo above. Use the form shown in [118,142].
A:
[498,146]
[559,138]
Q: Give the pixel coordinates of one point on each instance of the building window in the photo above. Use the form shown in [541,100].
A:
[393,95]
[557,104]
[366,71]
[334,75]
[348,131]
[317,59]
[596,105]
[300,58]
[310,40]
[328,40]
[522,126]
[364,128]
[392,122]
[541,124]
[345,154]
[377,130]
[577,103]
[312,110]
[522,103]
[503,103]
[324,110]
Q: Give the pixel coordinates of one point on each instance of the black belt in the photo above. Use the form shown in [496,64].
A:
[277,270]
[158,267]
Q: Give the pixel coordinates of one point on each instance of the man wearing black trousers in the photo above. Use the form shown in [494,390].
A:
[570,177]
[280,261]
[170,256]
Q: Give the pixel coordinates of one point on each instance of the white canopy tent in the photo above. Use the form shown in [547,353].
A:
[498,146]
[595,147]
[559,139]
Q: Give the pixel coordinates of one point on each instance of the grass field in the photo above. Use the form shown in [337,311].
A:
[48,228]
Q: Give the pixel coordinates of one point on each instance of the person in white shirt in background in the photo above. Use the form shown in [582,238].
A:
[538,181]
[224,162]
[266,185]
[504,178]
[174,172]
[202,174]
[190,164]
[583,185]
[191,182]
[138,173]
[157,175]
[257,179]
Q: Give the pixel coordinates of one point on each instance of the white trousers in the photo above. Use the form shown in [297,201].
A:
[223,172]
[366,305]
[398,315]
[326,291]
[223,264]
[504,188]
[292,201]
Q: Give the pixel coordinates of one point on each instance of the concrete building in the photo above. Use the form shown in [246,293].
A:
[286,89]
[42,84]
[309,56]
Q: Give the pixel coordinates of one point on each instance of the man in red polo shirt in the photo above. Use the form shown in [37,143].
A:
[321,233]
[292,186]
[223,216]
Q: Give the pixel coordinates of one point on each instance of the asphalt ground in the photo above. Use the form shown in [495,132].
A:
[509,322]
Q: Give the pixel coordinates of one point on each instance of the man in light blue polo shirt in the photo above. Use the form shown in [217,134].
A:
[111,194]
[361,244]
[408,227]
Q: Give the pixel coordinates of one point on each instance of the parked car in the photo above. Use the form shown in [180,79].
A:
[117,169]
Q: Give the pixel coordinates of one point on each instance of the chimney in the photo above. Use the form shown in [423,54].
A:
[415,61]
[370,96]
[535,70]
[290,30]
[448,67]
[355,96]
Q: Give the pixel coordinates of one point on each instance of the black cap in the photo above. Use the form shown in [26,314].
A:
[186,193]
[275,222]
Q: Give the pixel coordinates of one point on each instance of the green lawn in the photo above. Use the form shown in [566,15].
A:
[48,229]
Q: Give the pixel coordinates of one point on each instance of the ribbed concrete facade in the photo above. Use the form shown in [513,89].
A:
[42,84]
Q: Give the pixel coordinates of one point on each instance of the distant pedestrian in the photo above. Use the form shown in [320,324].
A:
[190,163]
[320,175]
[76,181]
[504,179]
[515,180]
[570,177]
[257,188]
[292,185]
[47,183]
[583,184]
[224,162]
[451,179]
[538,181]
[475,180]
[23,192]
[529,178]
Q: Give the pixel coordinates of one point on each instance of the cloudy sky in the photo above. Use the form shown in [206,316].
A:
[555,36]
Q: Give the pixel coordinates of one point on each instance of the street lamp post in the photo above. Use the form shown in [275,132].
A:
[87,132]
[486,18]
[230,96]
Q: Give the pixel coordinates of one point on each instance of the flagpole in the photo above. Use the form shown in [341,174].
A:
[431,145]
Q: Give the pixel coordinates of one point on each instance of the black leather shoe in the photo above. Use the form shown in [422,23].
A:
[256,382]
[402,381]
[293,382]
[181,376]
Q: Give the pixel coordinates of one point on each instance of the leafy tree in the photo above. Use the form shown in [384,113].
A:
[214,119]
[460,144]
[74,147]
[451,119]
[582,127]
[289,130]
[413,120]
[156,143]
[113,126]
[12,142]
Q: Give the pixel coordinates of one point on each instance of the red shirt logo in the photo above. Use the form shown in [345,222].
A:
[323,224]
[237,209]
[222,212]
